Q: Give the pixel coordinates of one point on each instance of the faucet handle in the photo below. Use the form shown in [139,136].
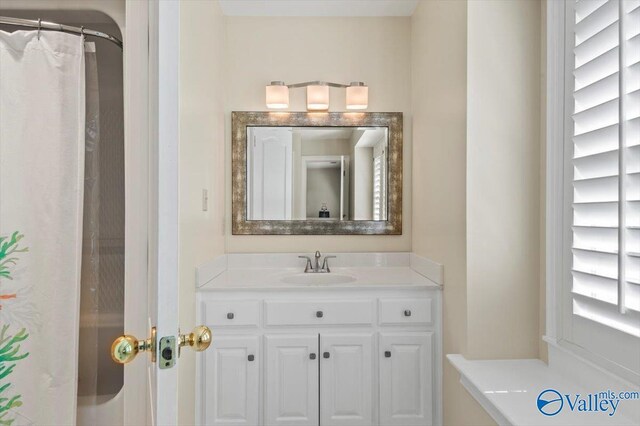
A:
[308,266]
[325,264]
[318,255]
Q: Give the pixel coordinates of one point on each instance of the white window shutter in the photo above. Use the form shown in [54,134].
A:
[606,164]
[379,187]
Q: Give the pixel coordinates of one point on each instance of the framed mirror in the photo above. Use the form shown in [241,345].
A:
[298,173]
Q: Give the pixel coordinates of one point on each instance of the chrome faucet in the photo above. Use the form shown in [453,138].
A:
[308,267]
[317,269]
[325,264]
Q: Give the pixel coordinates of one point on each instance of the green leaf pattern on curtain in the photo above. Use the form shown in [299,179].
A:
[10,352]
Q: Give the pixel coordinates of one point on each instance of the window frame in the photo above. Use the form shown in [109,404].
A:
[559,189]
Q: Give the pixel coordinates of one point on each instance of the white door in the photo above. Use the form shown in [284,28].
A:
[232,371]
[270,171]
[151,208]
[406,365]
[292,380]
[344,187]
[346,370]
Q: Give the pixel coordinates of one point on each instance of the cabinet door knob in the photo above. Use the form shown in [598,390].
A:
[312,356]
[407,313]
[326,355]
[319,314]
[230,315]
[251,357]
[387,354]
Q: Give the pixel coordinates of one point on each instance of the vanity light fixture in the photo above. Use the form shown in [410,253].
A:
[277,95]
[357,96]
[318,97]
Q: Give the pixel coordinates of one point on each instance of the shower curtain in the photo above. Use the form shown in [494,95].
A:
[42,156]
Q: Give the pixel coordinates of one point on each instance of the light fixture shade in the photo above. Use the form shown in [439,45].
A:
[357,96]
[277,95]
[318,97]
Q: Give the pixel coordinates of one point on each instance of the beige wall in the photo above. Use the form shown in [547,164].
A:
[503,188]
[542,345]
[202,79]
[323,187]
[374,50]
[476,67]
[425,66]
[439,49]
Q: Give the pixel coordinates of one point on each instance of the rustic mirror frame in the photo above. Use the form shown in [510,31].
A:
[240,120]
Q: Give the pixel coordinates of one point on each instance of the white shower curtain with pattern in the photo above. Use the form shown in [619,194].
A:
[42,154]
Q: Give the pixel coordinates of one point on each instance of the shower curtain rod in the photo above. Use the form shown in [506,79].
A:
[45,25]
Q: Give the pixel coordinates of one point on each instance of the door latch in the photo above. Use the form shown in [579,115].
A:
[167,352]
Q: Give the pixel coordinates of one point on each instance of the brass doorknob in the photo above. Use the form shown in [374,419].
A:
[125,348]
[199,339]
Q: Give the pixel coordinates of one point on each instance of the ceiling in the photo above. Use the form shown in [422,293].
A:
[371,137]
[335,164]
[312,134]
[318,7]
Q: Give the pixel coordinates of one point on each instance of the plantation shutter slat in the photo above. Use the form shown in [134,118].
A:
[585,8]
[379,187]
[606,164]
[594,23]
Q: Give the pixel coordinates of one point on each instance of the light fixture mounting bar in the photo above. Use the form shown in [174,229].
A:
[321,83]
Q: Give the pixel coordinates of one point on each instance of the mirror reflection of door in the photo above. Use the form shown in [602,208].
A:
[317,173]
[325,182]
[269,173]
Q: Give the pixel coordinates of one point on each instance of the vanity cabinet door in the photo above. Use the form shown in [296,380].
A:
[232,372]
[292,380]
[406,379]
[346,372]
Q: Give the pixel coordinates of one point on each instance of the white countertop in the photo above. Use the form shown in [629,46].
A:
[266,278]
[265,271]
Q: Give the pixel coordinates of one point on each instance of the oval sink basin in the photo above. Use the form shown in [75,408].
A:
[318,279]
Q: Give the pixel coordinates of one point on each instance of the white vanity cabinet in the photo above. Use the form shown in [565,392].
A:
[321,356]
[406,374]
[233,396]
[291,376]
[346,379]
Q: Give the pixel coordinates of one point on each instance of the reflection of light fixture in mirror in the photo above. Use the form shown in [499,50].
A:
[277,95]
[318,94]
[357,95]
[318,97]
